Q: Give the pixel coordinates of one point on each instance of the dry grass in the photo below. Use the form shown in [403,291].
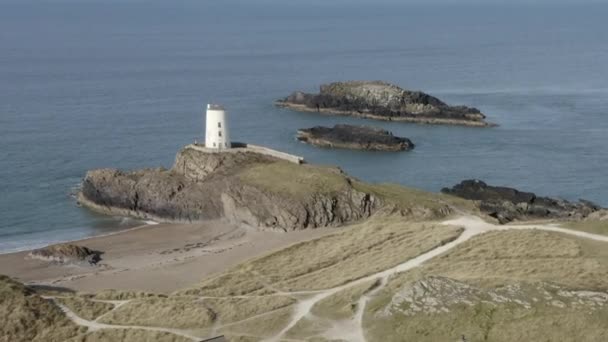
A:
[229,310]
[28,317]
[235,282]
[497,258]
[295,180]
[264,326]
[303,180]
[589,226]
[84,308]
[123,295]
[352,253]
[342,305]
[185,312]
[487,322]
[308,327]
[128,335]
[418,203]
[179,312]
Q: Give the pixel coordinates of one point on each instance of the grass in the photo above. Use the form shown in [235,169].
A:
[106,335]
[124,295]
[342,305]
[417,203]
[352,253]
[28,317]
[488,322]
[500,257]
[304,180]
[84,308]
[263,326]
[184,312]
[589,226]
[495,259]
[295,180]
[179,312]
[229,310]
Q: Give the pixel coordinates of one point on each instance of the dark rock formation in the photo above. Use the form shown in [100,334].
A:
[67,253]
[508,204]
[354,137]
[383,101]
[203,185]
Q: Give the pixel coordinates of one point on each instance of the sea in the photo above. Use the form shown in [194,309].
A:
[96,84]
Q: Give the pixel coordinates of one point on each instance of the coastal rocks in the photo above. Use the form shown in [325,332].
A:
[67,253]
[508,204]
[206,185]
[436,295]
[354,137]
[267,209]
[382,101]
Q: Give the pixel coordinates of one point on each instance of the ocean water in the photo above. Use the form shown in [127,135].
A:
[85,85]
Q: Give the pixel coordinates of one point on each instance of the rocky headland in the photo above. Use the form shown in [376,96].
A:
[508,204]
[354,137]
[242,187]
[382,101]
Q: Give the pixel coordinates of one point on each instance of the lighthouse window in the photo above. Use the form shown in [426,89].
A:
[219,125]
[219,134]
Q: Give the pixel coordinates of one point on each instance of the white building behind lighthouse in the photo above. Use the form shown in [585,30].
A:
[216,133]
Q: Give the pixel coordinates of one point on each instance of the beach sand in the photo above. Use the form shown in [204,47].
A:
[158,258]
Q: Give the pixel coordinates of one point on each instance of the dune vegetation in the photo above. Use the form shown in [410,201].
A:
[514,285]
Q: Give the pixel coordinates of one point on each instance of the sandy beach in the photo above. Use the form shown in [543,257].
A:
[158,258]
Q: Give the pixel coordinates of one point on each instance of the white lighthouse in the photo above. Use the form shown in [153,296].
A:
[216,134]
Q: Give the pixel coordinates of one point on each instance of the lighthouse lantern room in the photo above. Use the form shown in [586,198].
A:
[216,134]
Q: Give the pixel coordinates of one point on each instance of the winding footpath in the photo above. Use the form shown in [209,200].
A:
[351,330]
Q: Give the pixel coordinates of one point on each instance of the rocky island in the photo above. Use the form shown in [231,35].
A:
[382,101]
[354,137]
[509,204]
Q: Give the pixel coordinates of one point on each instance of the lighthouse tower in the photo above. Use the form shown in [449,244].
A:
[216,135]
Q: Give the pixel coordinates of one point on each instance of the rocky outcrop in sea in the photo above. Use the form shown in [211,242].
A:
[382,101]
[354,137]
[508,204]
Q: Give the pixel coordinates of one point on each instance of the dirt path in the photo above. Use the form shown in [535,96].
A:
[354,328]
[94,325]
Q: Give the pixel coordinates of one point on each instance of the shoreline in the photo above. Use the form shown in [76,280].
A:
[146,224]
[159,258]
[422,121]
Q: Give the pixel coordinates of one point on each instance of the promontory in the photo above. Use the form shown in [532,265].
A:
[382,101]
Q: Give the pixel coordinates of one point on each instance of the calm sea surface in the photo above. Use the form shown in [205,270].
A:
[90,85]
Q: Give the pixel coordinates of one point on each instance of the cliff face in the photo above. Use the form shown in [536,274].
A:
[242,187]
[384,101]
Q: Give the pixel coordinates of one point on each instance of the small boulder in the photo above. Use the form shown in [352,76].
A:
[66,253]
